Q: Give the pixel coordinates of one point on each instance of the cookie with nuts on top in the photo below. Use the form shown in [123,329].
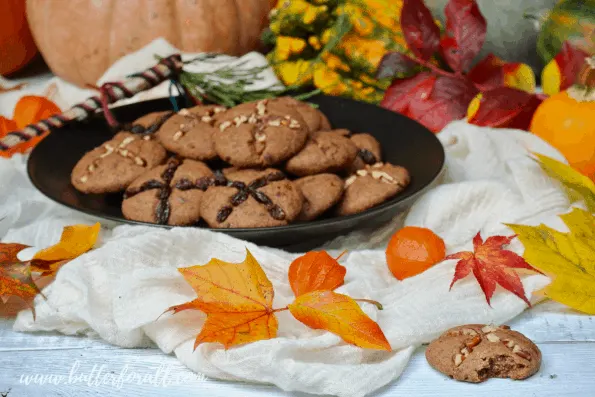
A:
[169,194]
[113,166]
[314,118]
[251,198]
[371,186]
[369,151]
[256,135]
[150,123]
[475,353]
[324,152]
[189,133]
[321,192]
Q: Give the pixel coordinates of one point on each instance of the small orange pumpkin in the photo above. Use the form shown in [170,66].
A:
[16,43]
[567,121]
[80,39]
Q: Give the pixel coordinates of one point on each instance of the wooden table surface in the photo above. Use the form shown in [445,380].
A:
[49,364]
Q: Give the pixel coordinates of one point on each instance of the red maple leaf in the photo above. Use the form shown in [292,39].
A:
[492,265]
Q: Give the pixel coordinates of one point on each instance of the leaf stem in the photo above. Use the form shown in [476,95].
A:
[340,256]
[436,69]
[281,309]
[373,302]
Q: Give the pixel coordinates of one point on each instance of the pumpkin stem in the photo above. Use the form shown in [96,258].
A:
[584,89]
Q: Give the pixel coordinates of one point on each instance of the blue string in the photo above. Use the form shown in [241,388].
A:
[174,103]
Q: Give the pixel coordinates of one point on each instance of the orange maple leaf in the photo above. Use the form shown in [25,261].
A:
[74,241]
[492,265]
[15,275]
[237,299]
[340,315]
[316,270]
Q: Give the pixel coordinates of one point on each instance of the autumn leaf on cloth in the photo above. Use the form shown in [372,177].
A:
[237,299]
[491,264]
[316,270]
[578,186]
[567,258]
[75,241]
[15,275]
[340,315]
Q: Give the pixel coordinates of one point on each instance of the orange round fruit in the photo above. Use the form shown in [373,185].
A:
[412,250]
[568,125]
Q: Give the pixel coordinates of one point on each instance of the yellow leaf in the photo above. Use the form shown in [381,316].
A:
[340,315]
[568,258]
[75,241]
[551,78]
[237,299]
[520,76]
[577,185]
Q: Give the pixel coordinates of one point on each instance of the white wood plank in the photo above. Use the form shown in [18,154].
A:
[565,372]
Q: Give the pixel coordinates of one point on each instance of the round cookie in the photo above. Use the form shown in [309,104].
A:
[372,186]
[314,118]
[256,135]
[474,353]
[324,152]
[113,166]
[369,151]
[189,133]
[169,194]
[321,192]
[251,198]
[149,123]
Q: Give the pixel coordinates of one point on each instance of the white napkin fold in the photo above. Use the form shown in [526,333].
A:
[118,290]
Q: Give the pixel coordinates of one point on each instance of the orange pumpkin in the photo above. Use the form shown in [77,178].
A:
[80,39]
[567,121]
[16,43]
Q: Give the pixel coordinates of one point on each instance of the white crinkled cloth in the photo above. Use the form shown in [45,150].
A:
[118,290]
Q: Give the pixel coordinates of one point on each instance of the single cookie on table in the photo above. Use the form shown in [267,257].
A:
[189,133]
[251,198]
[369,151]
[149,123]
[314,118]
[169,194]
[324,152]
[113,166]
[321,192]
[256,135]
[372,186]
[474,353]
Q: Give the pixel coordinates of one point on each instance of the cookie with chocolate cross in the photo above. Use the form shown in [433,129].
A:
[372,186]
[256,135]
[113,166]
[169,194]
[189,133]
[251,198]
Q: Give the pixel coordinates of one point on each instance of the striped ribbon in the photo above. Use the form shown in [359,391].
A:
[168,68]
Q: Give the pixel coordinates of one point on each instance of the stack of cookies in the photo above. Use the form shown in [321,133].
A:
[260,164]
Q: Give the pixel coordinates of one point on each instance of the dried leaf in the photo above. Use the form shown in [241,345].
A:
[491,265]
[503,107]
[316,270]
[6,126]
[30,109]
[15,276]
[395,64]
[492,72]
[75,241]
[578,186]
[561,72]
[237,299]
[566,257]
[466,30]
[421,32]
[340,315]
[432,100]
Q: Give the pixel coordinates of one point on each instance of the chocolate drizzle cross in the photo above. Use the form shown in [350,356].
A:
[164,189]
[245,191]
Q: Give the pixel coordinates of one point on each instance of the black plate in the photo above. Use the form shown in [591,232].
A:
[404,142]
